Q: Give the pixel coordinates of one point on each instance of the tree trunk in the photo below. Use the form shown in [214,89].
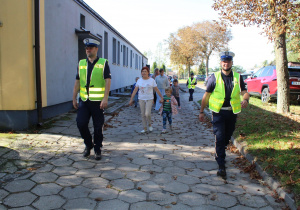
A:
[189,70]
[207,59]
[283,89]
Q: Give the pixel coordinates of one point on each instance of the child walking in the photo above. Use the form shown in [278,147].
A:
[168,108]
[175,91]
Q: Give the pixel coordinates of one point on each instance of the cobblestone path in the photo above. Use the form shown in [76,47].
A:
[151,171]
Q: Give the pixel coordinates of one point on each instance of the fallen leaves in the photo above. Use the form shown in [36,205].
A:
[109,186]
[32,169]
[213,197]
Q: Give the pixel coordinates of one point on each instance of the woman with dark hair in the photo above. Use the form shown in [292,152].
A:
[145,85]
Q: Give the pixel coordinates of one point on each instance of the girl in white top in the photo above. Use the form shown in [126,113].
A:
[145,85]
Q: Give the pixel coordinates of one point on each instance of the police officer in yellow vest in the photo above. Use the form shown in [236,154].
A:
[223,96]
[93,84]
[191,84]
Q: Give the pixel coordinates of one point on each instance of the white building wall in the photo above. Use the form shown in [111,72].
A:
[61,19]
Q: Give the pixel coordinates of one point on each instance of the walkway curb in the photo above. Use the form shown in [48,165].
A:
[272,183]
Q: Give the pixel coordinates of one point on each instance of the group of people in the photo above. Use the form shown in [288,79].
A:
[222,95]
[165,97]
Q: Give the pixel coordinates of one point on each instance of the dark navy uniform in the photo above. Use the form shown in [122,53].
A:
[88,109]
[224,121]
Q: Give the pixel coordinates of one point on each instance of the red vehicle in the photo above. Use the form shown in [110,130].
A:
[263,83]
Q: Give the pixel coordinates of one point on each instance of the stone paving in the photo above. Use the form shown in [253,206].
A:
[175,170]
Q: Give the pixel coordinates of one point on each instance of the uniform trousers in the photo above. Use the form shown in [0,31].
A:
[191,91]
[86,110]
[223,127]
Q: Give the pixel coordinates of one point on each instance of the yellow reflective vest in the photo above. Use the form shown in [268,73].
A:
[217,97]
[97,81]
[191,84]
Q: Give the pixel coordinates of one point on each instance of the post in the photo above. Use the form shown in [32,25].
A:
[37,60]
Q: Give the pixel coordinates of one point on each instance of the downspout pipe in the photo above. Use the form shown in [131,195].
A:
[37,60]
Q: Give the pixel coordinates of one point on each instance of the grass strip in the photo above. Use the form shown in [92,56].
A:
[274,139]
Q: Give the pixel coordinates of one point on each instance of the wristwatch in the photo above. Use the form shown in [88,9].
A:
[247,100]
[201,112]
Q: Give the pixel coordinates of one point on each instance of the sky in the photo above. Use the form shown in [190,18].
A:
[146,23]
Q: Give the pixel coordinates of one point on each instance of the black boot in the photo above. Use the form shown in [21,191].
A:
[98,155]
[87,151]
[222,171]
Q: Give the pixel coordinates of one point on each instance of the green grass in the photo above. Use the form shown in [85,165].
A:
[274,139]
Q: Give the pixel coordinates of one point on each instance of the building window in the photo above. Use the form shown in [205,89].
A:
[140,62]
[136,61]
[118,59]
[105,45]
[124,55]
[127,57]
[114,51]
[82,21]
[131,58]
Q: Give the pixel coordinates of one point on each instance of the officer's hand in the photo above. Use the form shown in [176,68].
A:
[244,104]
[103,104]
[161,100]
[75,104]
[201,117]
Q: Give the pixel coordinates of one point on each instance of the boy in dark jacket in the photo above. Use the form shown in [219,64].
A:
[175,91]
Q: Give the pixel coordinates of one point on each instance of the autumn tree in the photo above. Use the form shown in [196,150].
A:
[293,53]
[275,17]
[183,47]
[210,37]
[193,44]
[293,40]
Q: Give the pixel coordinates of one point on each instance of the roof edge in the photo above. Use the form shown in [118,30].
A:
[102,20]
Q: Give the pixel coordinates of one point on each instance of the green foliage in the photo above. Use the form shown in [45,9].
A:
[265,63]
[215,69]
[293,57]
[154,66]
[202,68]
[238,69]
[163,66]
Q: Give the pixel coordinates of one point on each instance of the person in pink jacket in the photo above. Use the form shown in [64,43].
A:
[168,108]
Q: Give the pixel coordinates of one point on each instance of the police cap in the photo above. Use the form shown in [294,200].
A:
[226,56]
[91,42]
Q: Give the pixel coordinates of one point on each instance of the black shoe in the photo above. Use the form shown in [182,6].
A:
[87,151]
[98,155]
[222,171]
